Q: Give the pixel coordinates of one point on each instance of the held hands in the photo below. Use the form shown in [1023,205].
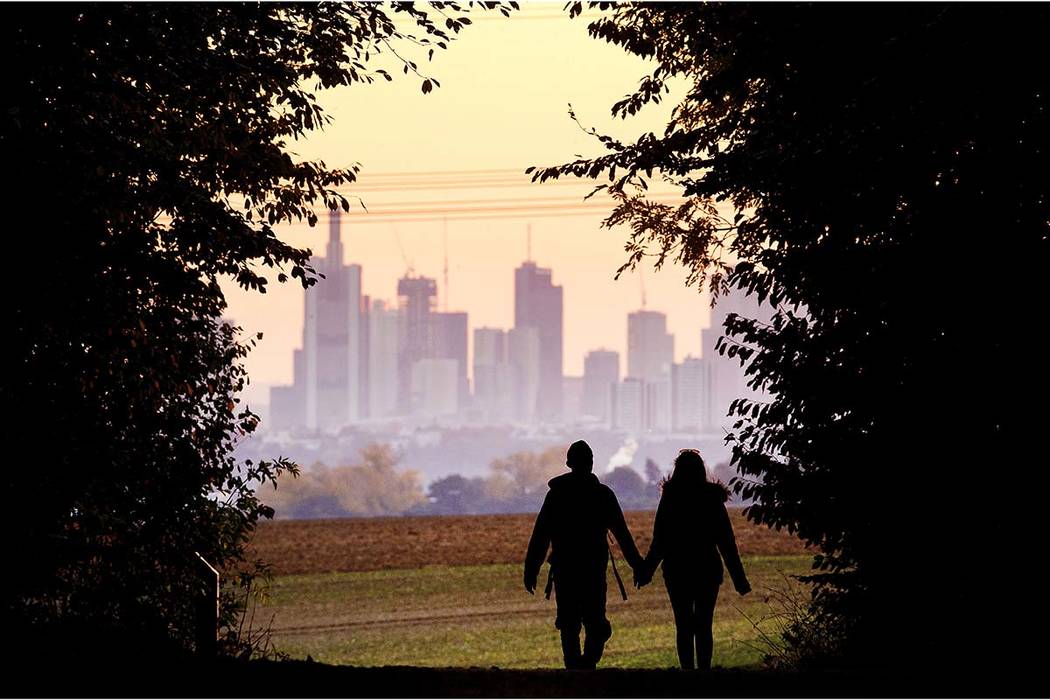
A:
[643,574]
[530,583]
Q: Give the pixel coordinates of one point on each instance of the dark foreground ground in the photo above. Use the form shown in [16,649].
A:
[261,679]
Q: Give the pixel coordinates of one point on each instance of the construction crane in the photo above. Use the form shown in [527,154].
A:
[641,282]
[409,269]
[444,224]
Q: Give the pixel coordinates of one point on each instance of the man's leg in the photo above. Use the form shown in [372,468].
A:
[594,621]
[598,633]
[570,644]
[569,620]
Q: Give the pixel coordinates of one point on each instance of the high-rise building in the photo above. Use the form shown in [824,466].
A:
[416,299]
[286,407]
[629,406]
[523,355]
[493,375]
[490,348]
[538,304]
[383,356]
[601,370]
[433,388]
[650,348]
[658,406]
[449,333]
[572,396]
[363,365]
[288,403]
[690,390]
[327,387]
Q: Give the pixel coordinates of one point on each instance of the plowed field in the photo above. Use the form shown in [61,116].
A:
[373,544]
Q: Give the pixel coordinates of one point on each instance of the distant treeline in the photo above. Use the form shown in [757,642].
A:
[515,484]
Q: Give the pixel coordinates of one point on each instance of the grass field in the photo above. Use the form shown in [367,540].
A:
[403,608]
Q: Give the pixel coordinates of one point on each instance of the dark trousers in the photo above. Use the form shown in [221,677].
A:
[581,604]
[693,602]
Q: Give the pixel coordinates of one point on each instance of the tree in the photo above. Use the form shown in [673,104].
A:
[522,477]
[632,492]
[457,495]
[878,175]
[150,149]
[370,488]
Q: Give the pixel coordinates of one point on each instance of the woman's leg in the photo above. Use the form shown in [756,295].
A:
[707,596]
[683,605]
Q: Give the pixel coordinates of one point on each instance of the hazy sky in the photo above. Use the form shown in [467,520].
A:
[501,107]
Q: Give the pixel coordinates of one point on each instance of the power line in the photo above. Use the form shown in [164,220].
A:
[354,188]
[432,173]
[378,207]
[440,180]
[453,211]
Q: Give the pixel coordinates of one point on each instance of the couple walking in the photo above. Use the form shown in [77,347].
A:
[692,529]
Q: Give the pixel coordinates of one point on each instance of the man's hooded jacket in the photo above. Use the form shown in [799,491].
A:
[574,519]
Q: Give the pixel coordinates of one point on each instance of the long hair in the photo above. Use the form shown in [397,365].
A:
[690,474]
[688,470]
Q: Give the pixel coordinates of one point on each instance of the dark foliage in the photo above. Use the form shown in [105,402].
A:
[149,154]
[878,174]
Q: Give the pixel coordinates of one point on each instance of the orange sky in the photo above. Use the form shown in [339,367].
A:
[502,106]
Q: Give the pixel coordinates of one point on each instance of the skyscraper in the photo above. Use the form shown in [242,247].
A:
[363,364]
[572,395]
[538,304]
[523,354]
[657,407]
[327,390]
[288,403]
[449,334]
[332,340]
[601,370]
[691,394]
[629,413]
[383,357]
[416,298]
[433,388]
[650,348]
[493,376]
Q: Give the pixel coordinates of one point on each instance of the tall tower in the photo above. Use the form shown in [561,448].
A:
[383,358]
[523,356]
[538,303]
[601,371]
[690,394]
[650,348]
[416,299]
[650,358]
[494,389]
[449,338]
[332,338]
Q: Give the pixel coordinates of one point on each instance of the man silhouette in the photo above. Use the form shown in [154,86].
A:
[577,513]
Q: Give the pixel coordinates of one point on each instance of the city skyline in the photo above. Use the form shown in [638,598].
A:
[365,360]
[686,317]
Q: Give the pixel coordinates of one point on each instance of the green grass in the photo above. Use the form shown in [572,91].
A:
[481,616]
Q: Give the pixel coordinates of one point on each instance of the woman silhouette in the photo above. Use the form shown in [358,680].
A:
[692,527]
